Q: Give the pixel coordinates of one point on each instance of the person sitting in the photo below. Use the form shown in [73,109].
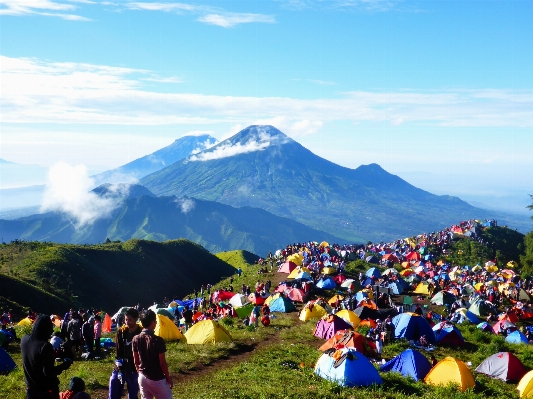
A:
[76,390]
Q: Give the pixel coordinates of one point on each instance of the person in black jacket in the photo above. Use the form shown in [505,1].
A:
[38,361]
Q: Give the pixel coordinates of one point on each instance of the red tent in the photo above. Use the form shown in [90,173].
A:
[256,299]
[339,278]
[327,328]
[413,256]
[391,257]
[295,294]
[350,339]
[504,366]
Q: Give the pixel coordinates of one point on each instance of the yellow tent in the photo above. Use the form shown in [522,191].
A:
[166,329]
[512,264]
[478,286]
[491,268]
[405,265]
[525,386]
[476,268]
[423,288]
[272,297]
[297,259]
[297,271]
[451,370]
[312,311]
[334,299]
[25,322]
[328,270]
[349,316]
[207,332]
[407,272]
[324,244]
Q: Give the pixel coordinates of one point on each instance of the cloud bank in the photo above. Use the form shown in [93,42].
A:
[185,204]
[68,190]
[34,91]
[45,8]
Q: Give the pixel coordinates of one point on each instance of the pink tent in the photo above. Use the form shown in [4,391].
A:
[287,267]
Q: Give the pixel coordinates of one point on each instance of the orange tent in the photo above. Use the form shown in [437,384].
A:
[368,322]
[350,339]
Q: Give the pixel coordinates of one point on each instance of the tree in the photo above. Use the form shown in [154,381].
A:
[527,259]
[530,207]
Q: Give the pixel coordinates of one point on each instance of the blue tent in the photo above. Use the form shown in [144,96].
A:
[282,304]
[448,334]
[304,276]
[360,296]
[367,281]
[373,272]
[6,363]
[412,326]
[326,283]
[372,259]
[396,287]
[516,337]
[486,327]
[409,363]
[354,370]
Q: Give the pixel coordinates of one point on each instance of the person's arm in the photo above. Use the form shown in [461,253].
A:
[49,369]
[136,360]
[164,367]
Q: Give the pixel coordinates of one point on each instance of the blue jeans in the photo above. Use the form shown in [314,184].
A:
[116,388]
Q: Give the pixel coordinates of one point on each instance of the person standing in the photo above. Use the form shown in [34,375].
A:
[74,333]
[38,359]
[97,333]
[124,371]
[87,332]
[150,362]
[187,315]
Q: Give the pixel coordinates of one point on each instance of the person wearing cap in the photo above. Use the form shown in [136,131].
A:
[38,359]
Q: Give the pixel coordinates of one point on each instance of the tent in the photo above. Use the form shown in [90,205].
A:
[329,270]
[396,287]
[295,294]
[482,308]
[485,327]
[25,322]
[300,270]
[339,278]
[329,325]
[364,312]
[166,329]
[412,326]
[312,310]
[349,316]
[296,258]
[423,288]
[106,325]
[6,363]
[244,311]
[238,300]
[503,325]
[326,283]
[207,332]
[443,298]
[516,337]
[504,366]
[165,312]
[468,315]
[525,386]
[334,299]
[373,272]
[287,267]
[275,296]
[451,370]
[448,334]
[346,284]
[282,304]
[409,363]
[350,339]
[372,259]
[256,298]
[391,271]
[351,369]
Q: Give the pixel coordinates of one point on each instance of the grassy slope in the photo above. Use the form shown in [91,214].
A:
[238,258]
[111,275]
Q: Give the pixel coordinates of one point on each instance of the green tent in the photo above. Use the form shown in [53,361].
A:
[165,312]
[244,311]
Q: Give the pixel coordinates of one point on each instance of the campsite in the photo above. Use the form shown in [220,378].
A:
[309,350]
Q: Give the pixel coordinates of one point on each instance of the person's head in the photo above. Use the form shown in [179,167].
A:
[76,385]
[97,318]
[131,317]
[148,319]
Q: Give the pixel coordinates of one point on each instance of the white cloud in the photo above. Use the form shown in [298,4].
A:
[39,7]
[34,91]
[171,79]
[229,150]
[204,146]
[229,20]
[68,191]
[165,7]
[186,204]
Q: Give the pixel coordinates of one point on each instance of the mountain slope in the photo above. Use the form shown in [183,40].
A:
[262,167]
[179,149]
[215,226]
[108,276]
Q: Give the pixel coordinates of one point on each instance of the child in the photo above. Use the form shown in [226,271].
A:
[76,390]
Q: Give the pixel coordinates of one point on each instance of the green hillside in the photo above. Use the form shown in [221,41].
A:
[238,258]
[51,277]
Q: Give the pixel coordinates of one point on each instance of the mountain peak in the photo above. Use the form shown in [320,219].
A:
[261,133]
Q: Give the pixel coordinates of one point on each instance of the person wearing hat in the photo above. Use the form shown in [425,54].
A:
[38,360]
[76,390]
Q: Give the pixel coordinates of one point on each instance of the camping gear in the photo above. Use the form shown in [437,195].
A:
[409,363]
[287,267]
[350,339]
[207,332]
[326,283]
[412,326]
[504,366]
[329,325]
[443,298]
[166,329]
[282,304]
[516,337]
[7,364]
[312,310]
[347,367]
[525,386]
[448,334]
[349,316]
[451,370]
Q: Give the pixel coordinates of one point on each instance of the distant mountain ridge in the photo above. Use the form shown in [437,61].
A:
[134,170]
[215,226]
[262,167]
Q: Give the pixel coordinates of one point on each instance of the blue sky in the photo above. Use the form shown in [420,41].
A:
[438,92]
